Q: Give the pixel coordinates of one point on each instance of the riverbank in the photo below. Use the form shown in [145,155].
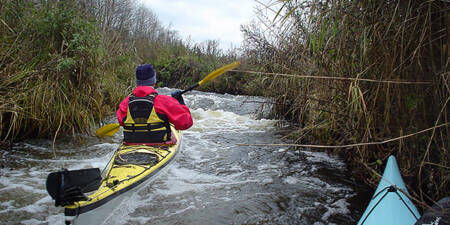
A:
[367,86]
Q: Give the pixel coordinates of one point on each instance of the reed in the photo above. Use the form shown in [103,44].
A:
[368,44]
[51,82]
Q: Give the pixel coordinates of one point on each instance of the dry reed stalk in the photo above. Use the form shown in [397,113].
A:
[427,151]
[334,78]
[353,145]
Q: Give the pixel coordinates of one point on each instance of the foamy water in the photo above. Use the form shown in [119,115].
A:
[212,180]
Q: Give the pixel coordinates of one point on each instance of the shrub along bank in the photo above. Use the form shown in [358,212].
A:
[52,63]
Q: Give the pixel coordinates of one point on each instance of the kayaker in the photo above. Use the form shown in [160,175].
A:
[145,115]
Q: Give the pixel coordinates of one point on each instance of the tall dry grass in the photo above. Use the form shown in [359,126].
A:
[388,64]
[53,80]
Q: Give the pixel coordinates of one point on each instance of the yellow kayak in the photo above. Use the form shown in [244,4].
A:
[130,167]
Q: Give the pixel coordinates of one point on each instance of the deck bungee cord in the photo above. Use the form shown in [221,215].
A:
[386,191]
[134,148]
[391,203]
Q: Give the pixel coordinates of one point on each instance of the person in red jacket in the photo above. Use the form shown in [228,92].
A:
[146,116]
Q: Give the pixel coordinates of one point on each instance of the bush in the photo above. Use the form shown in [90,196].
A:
[52,83]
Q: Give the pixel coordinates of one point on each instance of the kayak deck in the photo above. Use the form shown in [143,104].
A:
[130,166]
[389,205]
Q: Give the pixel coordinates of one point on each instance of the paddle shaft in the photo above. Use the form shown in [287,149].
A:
[189,89]
[211,76]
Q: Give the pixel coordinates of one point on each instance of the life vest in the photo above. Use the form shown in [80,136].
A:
[143,124]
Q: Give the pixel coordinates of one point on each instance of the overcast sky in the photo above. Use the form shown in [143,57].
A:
[205,19]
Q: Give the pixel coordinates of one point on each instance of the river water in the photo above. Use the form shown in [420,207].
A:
[212,181]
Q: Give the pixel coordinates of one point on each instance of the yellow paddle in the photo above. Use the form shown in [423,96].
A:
[111,129]
[108,130]
[213,75]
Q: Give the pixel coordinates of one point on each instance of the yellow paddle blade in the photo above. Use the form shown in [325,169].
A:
[108,130]
[219,71]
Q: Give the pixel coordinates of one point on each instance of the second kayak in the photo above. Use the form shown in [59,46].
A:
[389,204]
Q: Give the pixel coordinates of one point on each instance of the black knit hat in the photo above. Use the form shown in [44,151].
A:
[145,75]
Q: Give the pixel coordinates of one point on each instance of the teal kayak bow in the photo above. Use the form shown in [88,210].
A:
[389,204]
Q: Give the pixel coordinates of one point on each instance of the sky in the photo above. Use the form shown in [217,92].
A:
[205,19]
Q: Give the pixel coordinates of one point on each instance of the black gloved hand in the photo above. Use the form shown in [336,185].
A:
[177,95]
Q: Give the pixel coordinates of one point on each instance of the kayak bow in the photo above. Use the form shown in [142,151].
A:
[389,206]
